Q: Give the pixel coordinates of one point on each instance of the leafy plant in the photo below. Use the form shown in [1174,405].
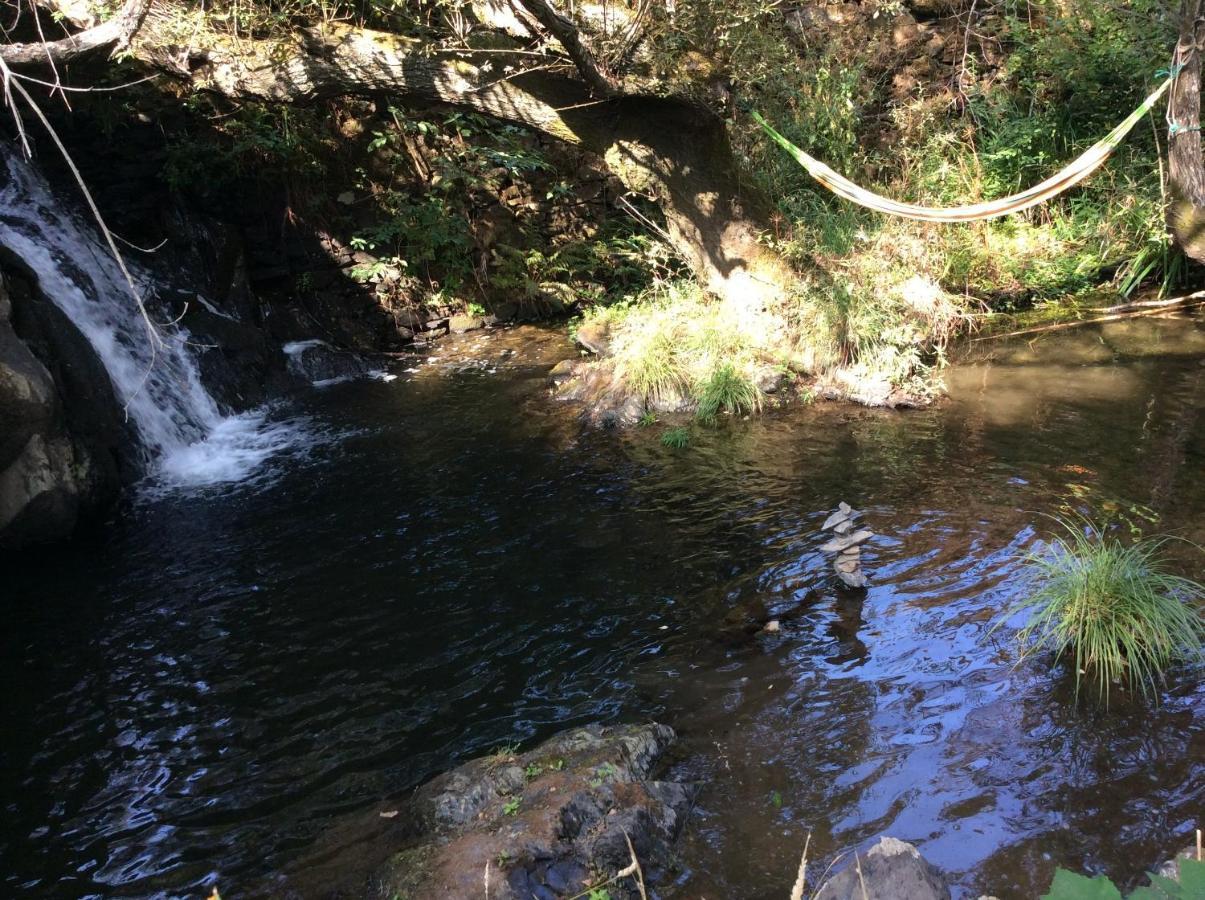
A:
[511,806]
[676,438]
[727,391]
[1072,886]
[1113,609]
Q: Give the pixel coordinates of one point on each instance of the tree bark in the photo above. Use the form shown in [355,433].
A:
[113,35]
[1186,169]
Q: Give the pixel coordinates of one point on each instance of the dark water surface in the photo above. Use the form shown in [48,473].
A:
[201,693]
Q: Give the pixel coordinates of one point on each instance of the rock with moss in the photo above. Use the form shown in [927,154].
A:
[552,822]
[891,870]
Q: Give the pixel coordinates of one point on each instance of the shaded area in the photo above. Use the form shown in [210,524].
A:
[205,692]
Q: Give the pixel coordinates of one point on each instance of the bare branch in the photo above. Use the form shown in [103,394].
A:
[114,35]
[567,34]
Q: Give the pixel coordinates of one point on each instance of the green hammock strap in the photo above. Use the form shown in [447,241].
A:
[1069,176]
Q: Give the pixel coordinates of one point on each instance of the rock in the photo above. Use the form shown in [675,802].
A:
[844,527]
[769,381]
[853,579]
[847,564]
[562,372]
[890,870]
[595,337]
[319,363]
[547,822]
[463,322]
[1171,868]
[59,432]
[742,622]
[837,544]
[844,513]
[772,626]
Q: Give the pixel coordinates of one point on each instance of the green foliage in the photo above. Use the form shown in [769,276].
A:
[1112,609]
[1072,886]
[676,438]
[726,390]
[291,143]
[511,806]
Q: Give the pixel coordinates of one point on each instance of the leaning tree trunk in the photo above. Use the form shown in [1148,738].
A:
[1186,212]
[668,148]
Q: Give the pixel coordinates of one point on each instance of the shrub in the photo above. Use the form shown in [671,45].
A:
[1114,609]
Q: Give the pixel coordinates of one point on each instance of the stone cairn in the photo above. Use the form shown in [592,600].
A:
[847,545]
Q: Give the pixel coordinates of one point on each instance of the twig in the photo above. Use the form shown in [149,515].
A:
[83,90]
[861,880]
[802,876]
[635,866]
[1128,311]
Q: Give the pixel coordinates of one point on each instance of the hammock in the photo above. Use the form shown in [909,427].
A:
[1075,172]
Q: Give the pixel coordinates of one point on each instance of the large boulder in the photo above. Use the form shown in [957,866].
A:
[52,476]
[548,823]
[891,870]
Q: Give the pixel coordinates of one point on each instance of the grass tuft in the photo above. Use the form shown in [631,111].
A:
[676,438]
[1113,609]
[726,390]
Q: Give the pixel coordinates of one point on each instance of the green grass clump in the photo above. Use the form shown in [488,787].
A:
[676,438]
[726,390]
[1112,608]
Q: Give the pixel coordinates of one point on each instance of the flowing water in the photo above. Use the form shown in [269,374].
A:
[209,689]
[186,439]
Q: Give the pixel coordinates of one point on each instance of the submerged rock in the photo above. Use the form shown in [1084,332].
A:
[891,870]
[547,823]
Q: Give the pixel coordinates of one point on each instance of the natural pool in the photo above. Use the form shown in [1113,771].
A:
[218,679]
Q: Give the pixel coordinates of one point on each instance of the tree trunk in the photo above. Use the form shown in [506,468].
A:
[1186,212]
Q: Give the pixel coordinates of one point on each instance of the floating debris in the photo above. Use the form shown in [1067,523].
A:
[847,545]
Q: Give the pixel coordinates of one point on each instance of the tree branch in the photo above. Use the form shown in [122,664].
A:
[566,33]
[114,35]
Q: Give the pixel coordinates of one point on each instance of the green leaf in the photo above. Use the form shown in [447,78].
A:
[1072,886]
[1192,877]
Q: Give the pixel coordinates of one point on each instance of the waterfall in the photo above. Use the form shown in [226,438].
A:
[185,437]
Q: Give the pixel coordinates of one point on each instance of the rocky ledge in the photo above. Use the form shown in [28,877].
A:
[549,823]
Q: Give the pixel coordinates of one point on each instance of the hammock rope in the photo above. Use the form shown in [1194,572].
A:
[1067,177]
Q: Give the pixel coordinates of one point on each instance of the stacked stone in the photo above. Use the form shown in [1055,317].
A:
[847,545]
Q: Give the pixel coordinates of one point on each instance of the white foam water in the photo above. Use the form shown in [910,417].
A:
[188,441]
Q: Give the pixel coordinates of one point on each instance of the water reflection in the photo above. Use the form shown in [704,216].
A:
[203,691]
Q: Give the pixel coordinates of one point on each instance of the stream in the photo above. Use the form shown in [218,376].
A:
[200,692]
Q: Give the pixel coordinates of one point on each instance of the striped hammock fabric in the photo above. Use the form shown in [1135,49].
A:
[1075,172]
